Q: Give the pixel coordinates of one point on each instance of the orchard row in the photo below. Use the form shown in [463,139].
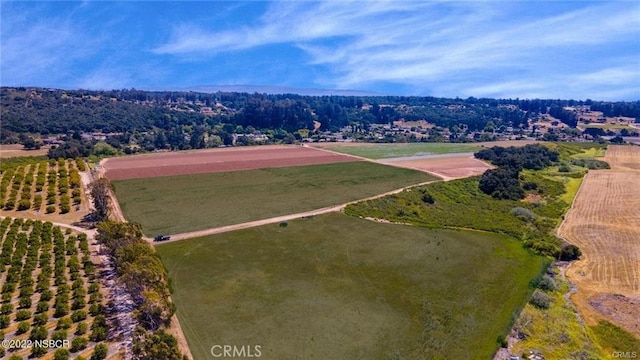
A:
[42,186]
[50,291]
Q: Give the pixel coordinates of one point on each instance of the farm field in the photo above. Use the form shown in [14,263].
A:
[605,223]
[384,151]
[176,204]
[42,189]
[15,150]
[50,291]
[451,166]
[387,151]
[216,160]
[335,286]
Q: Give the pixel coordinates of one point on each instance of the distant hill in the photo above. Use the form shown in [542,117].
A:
[188,119]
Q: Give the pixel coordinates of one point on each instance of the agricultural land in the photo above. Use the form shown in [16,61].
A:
[384,151]
[605,223]
[50,291]
[216,160]
[335,286]
[176,204]
[38,188]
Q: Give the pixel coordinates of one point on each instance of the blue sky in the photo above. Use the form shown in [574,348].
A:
[506,49]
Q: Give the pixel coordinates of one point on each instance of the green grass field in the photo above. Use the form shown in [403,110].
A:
[339,287]
[175,204]
[385,151]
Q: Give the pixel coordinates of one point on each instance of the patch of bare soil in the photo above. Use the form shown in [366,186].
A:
[452,166]
[16,150]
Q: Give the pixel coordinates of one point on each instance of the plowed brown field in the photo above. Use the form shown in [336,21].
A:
[216,160]
[604,222]
[449,166]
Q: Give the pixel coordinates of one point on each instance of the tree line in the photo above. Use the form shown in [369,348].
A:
[141,271]
[178,115]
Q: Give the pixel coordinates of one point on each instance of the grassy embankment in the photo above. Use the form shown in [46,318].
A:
[559,333]
[175,204]
[339,287]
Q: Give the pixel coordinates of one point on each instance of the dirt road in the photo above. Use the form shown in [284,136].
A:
[277,219]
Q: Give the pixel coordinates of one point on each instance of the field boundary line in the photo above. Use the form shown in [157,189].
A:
[255,223]
[379,162]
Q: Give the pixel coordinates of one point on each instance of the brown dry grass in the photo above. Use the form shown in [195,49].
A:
[452,166]
[15,150]
[604,222]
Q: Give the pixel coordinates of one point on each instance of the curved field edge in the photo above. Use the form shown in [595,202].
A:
[176,204]
[385,151]
[341,287]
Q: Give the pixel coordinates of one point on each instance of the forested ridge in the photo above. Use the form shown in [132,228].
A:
[52,111]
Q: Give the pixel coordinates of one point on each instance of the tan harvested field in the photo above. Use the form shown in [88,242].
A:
[604,222]
[15,150]
[216,160]
[449,166]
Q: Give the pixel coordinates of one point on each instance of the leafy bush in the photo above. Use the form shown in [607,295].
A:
[78,315]
[61,354]
[59,335]
[23,315]
[547,283]
[40,319]
[523,214]
[64,323]
[81,328]
[23,327]
[24,204]
[591,164]
[569,252]
[564,168]
[540,300]
[79,343]
[100,352]
[5,320]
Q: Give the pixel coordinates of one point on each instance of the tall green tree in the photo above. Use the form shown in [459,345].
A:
[100,194]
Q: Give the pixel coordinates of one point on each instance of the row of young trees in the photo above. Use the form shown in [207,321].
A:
[51,289]
[60,178]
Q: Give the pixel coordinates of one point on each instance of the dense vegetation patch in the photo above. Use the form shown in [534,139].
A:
[504,182]
[139,268]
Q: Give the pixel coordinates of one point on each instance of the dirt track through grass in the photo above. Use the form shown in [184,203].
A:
[338,287]
[176,204]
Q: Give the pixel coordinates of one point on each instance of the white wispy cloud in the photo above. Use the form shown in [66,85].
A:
[435,42]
